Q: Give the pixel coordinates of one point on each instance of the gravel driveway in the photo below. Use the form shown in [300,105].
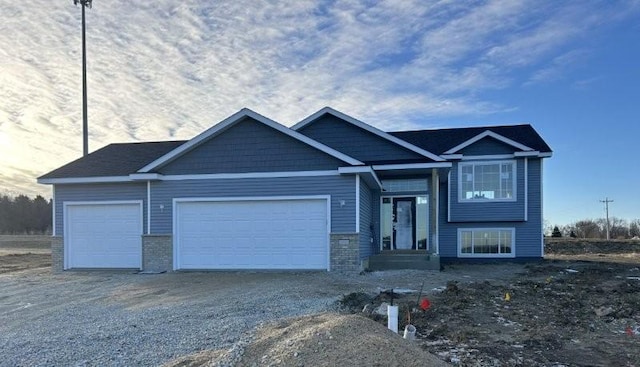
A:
[117,318]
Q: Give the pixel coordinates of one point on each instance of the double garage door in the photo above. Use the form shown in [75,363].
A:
[208,234]
[251,234]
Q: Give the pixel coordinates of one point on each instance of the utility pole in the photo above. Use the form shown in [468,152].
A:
[85,119]
[606,202]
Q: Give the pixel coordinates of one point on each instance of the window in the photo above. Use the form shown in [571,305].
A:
[486,242]
[487,181]
[405,185]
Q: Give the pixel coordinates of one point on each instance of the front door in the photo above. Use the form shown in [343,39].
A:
[404,224]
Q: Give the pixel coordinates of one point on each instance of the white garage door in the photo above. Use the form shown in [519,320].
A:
[103,235]
[256,234]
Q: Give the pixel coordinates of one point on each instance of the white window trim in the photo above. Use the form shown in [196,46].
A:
[473,255]
[514,171]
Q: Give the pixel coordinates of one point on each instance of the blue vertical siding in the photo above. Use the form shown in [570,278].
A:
[99,192]
[354,141]
[339,187]
[505,211]
[366,220]
[251,146]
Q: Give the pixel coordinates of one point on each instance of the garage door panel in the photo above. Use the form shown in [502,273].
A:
[270,234]
[103,235]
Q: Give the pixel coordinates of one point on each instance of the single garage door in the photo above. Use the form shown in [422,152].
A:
[101,235]
[252,234]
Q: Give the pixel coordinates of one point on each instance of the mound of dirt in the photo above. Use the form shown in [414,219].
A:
[331,339]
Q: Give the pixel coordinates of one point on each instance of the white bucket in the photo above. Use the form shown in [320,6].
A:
[410,332]
[392,318]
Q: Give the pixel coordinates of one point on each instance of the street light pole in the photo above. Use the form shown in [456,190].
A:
[85,118]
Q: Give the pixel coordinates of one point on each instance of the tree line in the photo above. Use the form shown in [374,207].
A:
[24,215]
[597,228]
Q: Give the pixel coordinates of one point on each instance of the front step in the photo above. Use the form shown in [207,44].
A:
[395,260]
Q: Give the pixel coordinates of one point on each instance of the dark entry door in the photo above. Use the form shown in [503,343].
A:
[404,223]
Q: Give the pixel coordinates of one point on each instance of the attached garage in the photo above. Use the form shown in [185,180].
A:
[251,233]
[103,235]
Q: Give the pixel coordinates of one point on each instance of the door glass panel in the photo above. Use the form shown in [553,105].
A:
[422,207]
[404,225]
[387,223]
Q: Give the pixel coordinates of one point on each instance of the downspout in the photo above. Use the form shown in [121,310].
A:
[53,210]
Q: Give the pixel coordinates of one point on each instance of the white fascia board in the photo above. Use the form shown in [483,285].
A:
[78,180]
[533,153]
[488,133]
[451,156]
[232,120]
[145,176]
[390,167]
[487,157]
[545,155]
[368,174]
[368,128]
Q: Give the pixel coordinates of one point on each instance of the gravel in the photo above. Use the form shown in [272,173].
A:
[123,319]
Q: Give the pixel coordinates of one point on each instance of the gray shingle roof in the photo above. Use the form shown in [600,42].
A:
[115,160]
[127,158]
[440,140]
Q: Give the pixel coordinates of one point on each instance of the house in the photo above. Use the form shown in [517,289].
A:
[330,193]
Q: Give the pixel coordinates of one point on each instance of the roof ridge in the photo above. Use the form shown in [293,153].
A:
[460,128]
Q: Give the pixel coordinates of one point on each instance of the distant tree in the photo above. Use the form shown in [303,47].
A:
[556,232]
[587,228]
[572,234]
[23,215]
[634,228]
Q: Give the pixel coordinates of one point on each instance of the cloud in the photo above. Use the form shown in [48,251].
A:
[169,69]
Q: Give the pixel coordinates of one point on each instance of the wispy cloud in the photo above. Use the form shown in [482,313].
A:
[168,69]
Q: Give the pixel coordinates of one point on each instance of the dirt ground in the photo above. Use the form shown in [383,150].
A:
[576,308]
[555,313]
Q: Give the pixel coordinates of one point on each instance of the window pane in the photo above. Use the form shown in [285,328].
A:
[405,185]
[466,242]
[422,208]
[505,242]
[486,242]
[487,181]
[387,219]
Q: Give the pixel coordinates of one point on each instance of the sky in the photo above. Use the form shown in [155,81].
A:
[169,69]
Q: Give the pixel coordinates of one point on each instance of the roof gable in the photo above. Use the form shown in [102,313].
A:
[483,135]
[440,141]
[366,127]
[249,147]
[228,123]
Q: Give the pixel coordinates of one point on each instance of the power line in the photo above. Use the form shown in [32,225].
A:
[606,202]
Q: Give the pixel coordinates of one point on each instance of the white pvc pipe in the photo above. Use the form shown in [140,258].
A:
[410,332]
[392,318]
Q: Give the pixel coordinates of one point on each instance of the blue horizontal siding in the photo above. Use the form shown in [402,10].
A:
[504,211]
[251,146]
[339,187]
[354,141]
[98,192]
